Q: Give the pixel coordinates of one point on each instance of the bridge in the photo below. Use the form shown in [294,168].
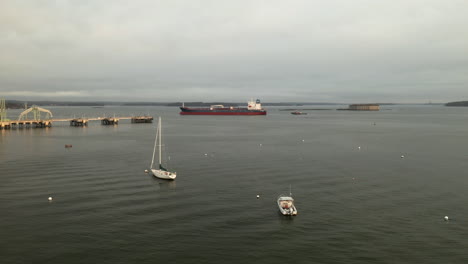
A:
[42,118]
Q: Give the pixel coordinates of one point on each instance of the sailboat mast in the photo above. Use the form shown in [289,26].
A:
[160,139]
[154,148]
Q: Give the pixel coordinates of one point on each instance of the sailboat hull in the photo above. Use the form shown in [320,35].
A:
[162,174]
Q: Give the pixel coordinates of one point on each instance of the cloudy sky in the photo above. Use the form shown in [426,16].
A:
[201,50]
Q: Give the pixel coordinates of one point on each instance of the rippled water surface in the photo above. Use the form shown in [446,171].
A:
[356,205]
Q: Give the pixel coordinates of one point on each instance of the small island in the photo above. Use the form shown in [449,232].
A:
[362,107]
[459,103]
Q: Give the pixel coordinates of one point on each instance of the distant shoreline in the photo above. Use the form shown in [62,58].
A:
[19,104]
[458,103]
[307,109]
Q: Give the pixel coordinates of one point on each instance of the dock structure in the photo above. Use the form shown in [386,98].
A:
[25,124]
[38,120]
[5,125]
[30,124]
[79,122]
[3,113]
[74,122]
[4,122]
[106,121]
[142,119]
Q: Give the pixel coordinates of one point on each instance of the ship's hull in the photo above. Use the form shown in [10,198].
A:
[220,111]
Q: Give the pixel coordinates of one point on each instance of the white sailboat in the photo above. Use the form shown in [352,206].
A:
[160,172]
[286,204]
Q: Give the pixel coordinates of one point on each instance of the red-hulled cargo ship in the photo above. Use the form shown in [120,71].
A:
[253,108]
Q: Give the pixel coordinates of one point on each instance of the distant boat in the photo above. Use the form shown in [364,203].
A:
[253,108]
[286,204]
[298,113]
[160,172]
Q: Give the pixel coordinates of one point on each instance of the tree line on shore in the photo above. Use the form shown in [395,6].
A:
[458,103]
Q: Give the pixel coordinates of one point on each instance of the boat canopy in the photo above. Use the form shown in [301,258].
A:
[162,168]
[285,198]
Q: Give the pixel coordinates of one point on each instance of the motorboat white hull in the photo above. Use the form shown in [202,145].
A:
[286,205]
[291,211]
[162,174]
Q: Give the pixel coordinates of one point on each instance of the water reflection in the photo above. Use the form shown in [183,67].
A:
[25,130]
[285,219]
[163,184]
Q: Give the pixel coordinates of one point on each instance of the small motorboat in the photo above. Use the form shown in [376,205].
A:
[286,205]
[298,113]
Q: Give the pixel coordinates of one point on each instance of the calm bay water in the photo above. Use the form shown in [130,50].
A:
[364,205]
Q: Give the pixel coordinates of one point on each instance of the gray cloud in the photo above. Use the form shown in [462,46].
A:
[346,51]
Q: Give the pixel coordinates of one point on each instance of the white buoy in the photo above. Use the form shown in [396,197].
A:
[402,156]
[206,154]
[146,171]
[260,144]
[258,196]
[359,147]
[446,218]
[303,140]
[50,198]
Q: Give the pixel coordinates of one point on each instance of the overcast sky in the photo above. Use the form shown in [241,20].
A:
[312,50]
